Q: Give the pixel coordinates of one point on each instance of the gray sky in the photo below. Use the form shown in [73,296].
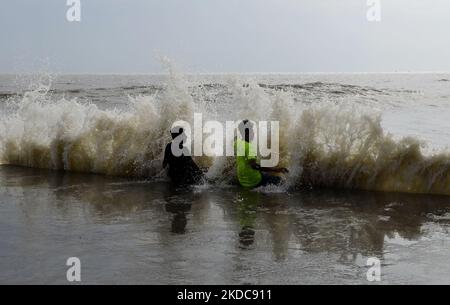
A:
[127,36]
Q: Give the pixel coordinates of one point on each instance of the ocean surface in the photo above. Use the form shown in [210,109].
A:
[81,176]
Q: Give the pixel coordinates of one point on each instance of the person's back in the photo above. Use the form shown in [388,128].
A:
[182,169]
[247,175]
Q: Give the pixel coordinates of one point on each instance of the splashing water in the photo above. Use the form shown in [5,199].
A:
[323,145]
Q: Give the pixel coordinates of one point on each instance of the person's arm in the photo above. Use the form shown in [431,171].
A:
[274,169]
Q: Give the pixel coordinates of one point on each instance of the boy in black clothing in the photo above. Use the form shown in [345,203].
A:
[182,169]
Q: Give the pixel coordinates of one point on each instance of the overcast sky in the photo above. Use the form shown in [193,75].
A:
[128,36]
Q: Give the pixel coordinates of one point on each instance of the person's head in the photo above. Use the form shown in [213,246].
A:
[176,131]
[246,130]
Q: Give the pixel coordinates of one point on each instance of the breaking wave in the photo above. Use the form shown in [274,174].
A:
[335,146]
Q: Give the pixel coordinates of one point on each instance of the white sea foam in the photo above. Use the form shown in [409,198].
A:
[325,144]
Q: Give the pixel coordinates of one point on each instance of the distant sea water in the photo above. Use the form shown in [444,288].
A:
[369,161]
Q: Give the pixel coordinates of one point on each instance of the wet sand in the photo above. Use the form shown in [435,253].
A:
[139,232]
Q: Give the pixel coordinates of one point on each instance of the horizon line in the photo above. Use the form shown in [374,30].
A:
[216,73]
